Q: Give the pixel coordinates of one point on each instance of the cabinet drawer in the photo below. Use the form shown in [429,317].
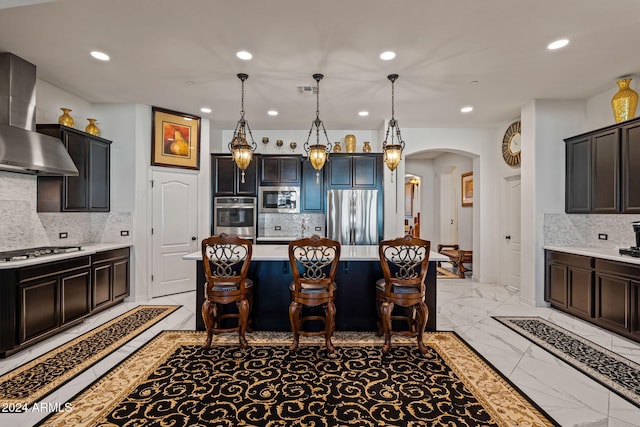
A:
[618,268]
[111,255]
[56,267]
[570,259]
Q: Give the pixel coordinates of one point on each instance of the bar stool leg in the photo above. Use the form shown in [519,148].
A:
[208,322]
[386,308]
[294,318]
[329,324]
[423,315]
[243,310]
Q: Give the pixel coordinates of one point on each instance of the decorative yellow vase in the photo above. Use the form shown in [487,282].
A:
[350,143]
[624,102]
[65,119]
[179,146]
[337,147]
[366,148]
[92,128]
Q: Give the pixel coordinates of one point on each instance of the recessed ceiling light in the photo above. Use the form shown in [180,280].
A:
[558,44]
[205,109]
[244,55]
[272,112]
[363,113]
[467,109]
[387,56]
[100,55]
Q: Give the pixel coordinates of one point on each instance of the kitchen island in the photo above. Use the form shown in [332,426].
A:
[358,270]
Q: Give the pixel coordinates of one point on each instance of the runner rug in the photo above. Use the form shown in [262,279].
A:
[613,371]
[173,381]
[39,377]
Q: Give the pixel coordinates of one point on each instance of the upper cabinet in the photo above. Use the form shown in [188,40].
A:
[280,170]
[355,171]
[603,170]
[87,192]
[312,189]
[226,178]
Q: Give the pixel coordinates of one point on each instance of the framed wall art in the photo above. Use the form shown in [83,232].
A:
[175,139]
[467,189]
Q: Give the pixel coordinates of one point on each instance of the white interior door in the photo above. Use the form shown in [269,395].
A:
[512,231]
[175,225]
[448,209]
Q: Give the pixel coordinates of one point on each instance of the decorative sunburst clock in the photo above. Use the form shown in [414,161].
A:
[511,144]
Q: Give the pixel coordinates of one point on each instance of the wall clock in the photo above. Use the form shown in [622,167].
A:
[511,144]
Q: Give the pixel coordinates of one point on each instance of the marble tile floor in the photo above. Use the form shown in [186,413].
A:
[464,306]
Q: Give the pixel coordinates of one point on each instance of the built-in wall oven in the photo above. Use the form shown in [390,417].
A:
[279,199]
[235,216]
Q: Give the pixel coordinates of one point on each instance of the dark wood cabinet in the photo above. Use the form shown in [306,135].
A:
[578,175]
[605,179]
[227,179]
[603,170]
[39,301]
[90,190]
[569,283]
[630,157]
[280,170]
[601,291]
[312,189]
[355,171]
[51,296]
[110,270]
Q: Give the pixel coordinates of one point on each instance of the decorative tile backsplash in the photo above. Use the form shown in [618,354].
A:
[583,230]
[290,225]
[22,227]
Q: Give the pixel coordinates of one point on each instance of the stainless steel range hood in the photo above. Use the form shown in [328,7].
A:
[22,149]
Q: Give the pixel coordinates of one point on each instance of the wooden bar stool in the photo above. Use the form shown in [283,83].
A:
[226,263]
[314,262]
[404,262]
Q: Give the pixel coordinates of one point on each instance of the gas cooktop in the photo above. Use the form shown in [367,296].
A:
[633,251]
[22,254]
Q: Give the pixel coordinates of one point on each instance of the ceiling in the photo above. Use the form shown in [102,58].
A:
[180,55]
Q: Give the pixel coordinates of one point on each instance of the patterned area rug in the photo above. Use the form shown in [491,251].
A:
[173,381]
[617,373]
[39,377]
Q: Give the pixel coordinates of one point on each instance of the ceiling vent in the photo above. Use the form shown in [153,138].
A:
[307,90]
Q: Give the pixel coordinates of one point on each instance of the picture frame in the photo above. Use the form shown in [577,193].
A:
[467,189]
[175,140]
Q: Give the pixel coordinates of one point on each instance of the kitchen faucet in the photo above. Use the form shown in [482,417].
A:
[303,226]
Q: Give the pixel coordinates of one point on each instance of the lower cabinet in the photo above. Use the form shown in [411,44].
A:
[39,301]
[603,292]
[110,278]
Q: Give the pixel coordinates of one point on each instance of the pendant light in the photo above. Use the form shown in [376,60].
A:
[392,152]
[317,153]
[241,150]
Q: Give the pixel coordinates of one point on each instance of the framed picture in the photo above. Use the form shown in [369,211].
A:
[175,139]
[467,189]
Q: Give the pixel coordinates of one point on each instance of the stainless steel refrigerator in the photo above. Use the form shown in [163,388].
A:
[352,216]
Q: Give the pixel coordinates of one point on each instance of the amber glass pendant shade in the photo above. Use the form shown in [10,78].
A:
[392,156]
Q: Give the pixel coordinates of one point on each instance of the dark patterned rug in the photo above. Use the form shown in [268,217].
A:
[617,373]
[173,381]
[32,381]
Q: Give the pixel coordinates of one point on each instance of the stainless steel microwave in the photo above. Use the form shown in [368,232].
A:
[279,200]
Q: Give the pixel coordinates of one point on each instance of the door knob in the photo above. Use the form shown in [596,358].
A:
[194,238]
[507,237]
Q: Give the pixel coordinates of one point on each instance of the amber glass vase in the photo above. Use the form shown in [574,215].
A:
[65,119]
[92,128]
[624,102]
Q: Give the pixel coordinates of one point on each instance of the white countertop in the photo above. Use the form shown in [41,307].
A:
[604,253]
[347,253]
[85,250]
